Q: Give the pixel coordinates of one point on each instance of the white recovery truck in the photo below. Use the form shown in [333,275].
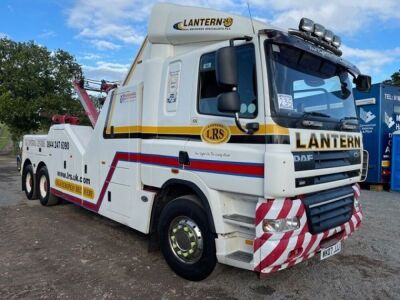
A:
[229,141]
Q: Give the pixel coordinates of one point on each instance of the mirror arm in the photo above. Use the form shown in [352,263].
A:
[244,38]
[250,127]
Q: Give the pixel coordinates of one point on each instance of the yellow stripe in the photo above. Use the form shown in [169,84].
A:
[386,163]
[75,188]
[194,130]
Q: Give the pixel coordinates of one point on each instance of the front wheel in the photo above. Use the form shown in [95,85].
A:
[187,243]
[45,197]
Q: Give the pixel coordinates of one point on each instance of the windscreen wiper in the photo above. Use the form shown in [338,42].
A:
[315,114]
[312,123]
[348,118]
[344,123]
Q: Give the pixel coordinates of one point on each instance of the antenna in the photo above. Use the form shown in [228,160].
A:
[251,18]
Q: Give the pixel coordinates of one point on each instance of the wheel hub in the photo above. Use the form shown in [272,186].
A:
[185,240]
[43,186]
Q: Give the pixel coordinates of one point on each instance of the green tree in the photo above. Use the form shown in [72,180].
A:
[395,79]
[35,84]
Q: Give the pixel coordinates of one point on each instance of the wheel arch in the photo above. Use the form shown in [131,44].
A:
[39,166]
[27,162]
[173,189]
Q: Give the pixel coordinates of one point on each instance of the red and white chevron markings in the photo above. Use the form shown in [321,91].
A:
[278,251]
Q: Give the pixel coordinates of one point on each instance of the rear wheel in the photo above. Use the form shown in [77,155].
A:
[28,181]
[187,243]
[45,196]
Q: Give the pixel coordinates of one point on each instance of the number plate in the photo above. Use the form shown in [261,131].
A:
[332,250]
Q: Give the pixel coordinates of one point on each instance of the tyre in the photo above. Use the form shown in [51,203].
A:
[43,188]
[28,182]
[186,241]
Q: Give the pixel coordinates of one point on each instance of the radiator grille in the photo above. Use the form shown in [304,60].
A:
[325,159]
[328,209]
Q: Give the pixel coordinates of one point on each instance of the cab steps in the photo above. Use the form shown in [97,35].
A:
[240,220]
[239,259]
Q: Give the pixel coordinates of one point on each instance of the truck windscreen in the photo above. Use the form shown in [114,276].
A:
[306,86]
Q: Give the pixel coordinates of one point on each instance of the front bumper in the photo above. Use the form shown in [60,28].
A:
[277,251]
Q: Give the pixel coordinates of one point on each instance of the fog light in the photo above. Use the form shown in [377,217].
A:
[319,30]
[281,225]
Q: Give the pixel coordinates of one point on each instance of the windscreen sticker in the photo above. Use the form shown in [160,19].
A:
[285,101]
[251,108]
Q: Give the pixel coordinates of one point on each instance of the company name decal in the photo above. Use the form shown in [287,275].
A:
[205,24]
[327,141]
[215,134]
[77,189]
[127,97]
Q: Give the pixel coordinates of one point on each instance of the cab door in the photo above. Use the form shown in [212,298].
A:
[223,156]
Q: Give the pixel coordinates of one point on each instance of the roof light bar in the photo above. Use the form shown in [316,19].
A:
[325,36]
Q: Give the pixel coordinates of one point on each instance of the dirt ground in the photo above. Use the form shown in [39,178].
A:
[67,252]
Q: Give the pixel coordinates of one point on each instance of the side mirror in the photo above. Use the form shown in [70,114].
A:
[229,102]
[363,83]
[226,68]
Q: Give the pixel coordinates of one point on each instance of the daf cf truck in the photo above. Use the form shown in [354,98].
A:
[229,141]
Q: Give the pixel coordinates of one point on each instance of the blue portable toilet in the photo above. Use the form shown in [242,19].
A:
[379,114]
[395,178]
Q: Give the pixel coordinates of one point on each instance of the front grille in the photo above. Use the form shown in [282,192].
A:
[304,161]
[312,180]
[328,209]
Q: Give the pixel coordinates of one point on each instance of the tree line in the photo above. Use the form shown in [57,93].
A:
[35,83]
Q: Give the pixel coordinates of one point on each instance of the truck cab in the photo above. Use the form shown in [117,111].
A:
[229,141]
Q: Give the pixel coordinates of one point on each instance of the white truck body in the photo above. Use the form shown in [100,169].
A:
[121,167]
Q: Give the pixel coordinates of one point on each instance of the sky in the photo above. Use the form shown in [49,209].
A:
[104,36]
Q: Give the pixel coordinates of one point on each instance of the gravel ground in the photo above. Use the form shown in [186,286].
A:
[67,252]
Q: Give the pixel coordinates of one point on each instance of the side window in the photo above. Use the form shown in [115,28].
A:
[247,87]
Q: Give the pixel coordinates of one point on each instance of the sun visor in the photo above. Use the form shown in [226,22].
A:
[176,24]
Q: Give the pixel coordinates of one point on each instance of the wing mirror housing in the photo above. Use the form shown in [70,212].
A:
[229,102]
[363,83]
[226,68]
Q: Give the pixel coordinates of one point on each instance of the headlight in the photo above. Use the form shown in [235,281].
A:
[281,225]
[356,204]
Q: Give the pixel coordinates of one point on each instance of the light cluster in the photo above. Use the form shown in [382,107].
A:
[320,32]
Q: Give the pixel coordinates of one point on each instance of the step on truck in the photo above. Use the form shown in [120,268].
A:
[229,141]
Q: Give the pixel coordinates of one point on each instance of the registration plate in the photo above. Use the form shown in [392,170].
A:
[330,251]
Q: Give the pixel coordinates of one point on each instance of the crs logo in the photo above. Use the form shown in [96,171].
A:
[303,157]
